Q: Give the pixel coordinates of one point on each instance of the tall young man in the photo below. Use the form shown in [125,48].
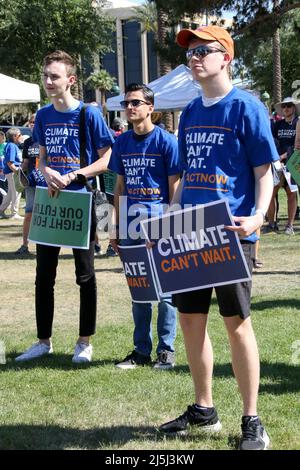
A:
[146,162]
[226,147]
[57,130]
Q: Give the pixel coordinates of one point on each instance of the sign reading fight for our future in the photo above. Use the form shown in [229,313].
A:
[138,273]
[61,221]
[194,251]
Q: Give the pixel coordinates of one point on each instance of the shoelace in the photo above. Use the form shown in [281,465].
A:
[186,414]
[131,356]
[163,357]
[250,431]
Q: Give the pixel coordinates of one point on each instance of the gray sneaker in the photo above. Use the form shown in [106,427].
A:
[289,230]
[254,436]
[165,360]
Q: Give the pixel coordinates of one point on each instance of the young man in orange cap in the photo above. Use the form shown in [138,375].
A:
[225,140]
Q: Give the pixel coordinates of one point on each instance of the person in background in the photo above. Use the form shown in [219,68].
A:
[233,162]
[119,127]
[284,133]
[57,127]
[3,182]
[30,156]
[12,161]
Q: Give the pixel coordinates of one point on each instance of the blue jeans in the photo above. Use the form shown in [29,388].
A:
[142,317]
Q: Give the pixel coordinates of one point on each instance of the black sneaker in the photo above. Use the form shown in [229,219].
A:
[271,228]
[254,436]
[207,421]
[98,250]
[133,360]
[165,360]
[110,251]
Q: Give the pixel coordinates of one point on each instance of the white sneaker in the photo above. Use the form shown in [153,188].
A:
[36,350]
[82,353]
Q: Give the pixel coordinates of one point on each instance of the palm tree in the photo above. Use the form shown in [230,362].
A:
[276,61]
[154,19]
[146,14]
[164,66]
[101,80]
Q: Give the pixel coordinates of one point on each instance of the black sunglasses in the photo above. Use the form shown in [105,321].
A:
[287,105]
[133,103]
[201,51]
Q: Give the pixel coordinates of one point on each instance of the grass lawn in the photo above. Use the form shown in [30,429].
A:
[52,404]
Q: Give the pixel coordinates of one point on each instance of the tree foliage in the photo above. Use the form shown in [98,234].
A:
[262,15]
[146,14]
[31,29]
[101,80]
[254,24]
[256,60]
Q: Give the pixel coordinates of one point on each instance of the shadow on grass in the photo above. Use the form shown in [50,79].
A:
[268,273]
[275,303]
[55,361]
[278,378]
[111,270]
[51,437]
[13,257]
[34,437]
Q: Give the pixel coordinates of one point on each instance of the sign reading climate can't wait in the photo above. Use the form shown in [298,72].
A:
[194,251]
[138,273]
[61,221]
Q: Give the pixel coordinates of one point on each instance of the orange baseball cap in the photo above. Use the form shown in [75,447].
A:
[208,33]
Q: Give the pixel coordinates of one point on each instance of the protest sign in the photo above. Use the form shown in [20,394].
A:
[138,273]
[293,165]
[61,221]
[197,251]
[288,177]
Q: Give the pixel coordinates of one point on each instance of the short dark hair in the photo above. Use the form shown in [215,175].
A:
[62,56]
[147,92]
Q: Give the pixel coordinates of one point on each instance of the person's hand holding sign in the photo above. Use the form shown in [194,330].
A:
[54,180]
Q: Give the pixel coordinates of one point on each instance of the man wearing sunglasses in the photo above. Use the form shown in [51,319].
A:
[284,133]
[146,162]
[226,146]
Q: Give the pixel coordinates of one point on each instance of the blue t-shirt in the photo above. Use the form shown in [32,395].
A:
[13,154]
[219,146]
[146,162]
[59,133]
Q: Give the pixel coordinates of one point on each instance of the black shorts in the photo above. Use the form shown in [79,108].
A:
[233,299]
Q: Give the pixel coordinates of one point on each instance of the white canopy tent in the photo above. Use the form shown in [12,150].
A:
[13,91]
[172,92]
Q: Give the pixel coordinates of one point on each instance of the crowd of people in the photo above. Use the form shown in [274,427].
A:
[225,133]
